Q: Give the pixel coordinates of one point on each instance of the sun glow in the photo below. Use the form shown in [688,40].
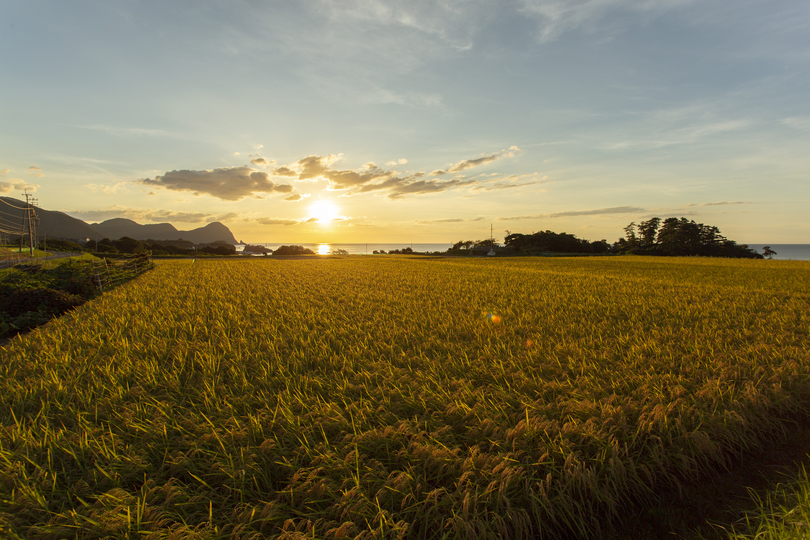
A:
[323,211]
[324,249]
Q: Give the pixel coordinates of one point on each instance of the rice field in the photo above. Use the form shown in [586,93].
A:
[366,397]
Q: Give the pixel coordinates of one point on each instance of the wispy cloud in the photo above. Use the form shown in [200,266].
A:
[449,220]
[499,186]
[4,172]
[278,221]
[476,162]
[558,16]
[128,131]
[415,99]
[106,188]
[595,212]
[230,184]
[719,203]
[35,171]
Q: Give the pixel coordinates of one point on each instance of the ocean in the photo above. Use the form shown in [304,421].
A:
[784,252]
[360,249]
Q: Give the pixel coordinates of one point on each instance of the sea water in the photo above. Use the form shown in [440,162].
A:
[784,252]
[361,249]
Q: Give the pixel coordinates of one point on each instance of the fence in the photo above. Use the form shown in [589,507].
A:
[110,272]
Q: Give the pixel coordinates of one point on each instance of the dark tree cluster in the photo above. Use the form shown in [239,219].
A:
[257,249]
[473,246]
[60,245]
[679,237]
[160,247]
[551,242]
[293,250]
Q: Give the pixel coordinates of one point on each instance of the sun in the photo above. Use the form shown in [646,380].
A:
[323,211]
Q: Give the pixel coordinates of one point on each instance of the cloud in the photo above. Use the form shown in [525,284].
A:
[370,177]
[413,99]
[797,122]
[719,203]
[297,197]
[284,171]
[559,16]
[494,187]
[450,220]
[276,221]
[4,172]
[595,212]
[312,167]
[599,211]
[262,161]
[476,162]
[230,184]
[427,186]
[105,188]
[230,216]
[147,215]
[15,184]
[35,171]
[122,132]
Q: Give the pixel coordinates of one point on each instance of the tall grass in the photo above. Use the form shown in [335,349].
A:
[368,398]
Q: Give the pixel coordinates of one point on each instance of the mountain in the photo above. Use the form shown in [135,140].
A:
[53,224]
[118,227]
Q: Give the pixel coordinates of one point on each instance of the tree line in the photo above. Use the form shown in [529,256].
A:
[664,237]
[680,237]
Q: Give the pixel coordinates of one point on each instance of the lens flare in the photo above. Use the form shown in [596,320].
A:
[491,316]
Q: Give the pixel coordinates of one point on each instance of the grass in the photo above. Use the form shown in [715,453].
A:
[379,398]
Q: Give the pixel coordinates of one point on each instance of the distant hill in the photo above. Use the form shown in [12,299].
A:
[119,227]
[51,224]
[60,225]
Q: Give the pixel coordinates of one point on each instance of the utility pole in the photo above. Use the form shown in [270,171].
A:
[31,215]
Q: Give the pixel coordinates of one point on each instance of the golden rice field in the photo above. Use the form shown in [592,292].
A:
[391,397]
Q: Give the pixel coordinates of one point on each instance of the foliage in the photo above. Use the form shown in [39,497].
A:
[551,242]
[293,250]
[781,514]
[61,245]
[33,295]
[201,401]
[257,249]
[218,249]
[767,252]
[679,237]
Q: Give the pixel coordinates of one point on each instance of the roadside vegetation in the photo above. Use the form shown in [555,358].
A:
[397,397]
[33,294]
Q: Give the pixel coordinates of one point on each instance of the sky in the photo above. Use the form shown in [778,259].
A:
[419,121]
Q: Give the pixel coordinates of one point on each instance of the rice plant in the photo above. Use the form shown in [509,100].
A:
[408,398]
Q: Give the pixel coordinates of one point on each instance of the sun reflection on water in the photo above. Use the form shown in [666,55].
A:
[324,249]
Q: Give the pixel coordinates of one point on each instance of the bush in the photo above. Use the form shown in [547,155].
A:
[293,250]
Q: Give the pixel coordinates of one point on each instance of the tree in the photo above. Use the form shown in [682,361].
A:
[768,252]
[293,250]
[679,237]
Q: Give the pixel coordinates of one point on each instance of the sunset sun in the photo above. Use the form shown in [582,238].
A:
[323,211]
